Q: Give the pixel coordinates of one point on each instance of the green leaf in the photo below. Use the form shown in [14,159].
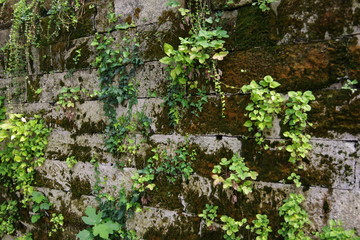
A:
[168,49]
[35,218]
[85,235]
[37,197]
[248,123]
[274,84]
[166,60]
[92,218]
[268,79]
[45,206]
[220,56]
[105,229]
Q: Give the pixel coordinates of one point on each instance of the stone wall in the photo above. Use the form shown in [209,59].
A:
[303,44]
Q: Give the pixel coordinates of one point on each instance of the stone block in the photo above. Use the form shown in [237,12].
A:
[54,174]
[142,12]
[305,21]
[296,67]
[153,223]
[330,164]
[152,79]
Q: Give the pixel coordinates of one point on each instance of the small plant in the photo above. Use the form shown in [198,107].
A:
[265,103]
[40,205]
[27,236]
[2,108]
[68,96]
[295,218]
[103,228]
[349,85]
[209,214]
[231,227]
[235,175]
[260,227]
[58,222]
[71,161]
[296,117]
[335,231]
[295,179]
[198,52]
[77,56]
[263,4]
[24,142]
[8,217]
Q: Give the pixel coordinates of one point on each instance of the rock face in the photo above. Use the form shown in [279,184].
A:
[303,44]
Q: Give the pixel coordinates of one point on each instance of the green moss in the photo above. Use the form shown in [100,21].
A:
[82,62]
[252,29]
[64,123]
[32,85]
[80,187]
[183,228]
[81,153]
[154,37]
[339,108]
[91,128]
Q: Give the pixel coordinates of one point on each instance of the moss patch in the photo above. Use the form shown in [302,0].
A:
[80,187]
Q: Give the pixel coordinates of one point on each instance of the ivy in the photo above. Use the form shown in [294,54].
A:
[8,217]
[265,104]
[295,218]
[25,31]
[335,231]
[99,226]
[235,175]
[112,61]
[263,4]
[209,214]
[199,52]
[260,227]
[231,227]
[24,145]
[296,117]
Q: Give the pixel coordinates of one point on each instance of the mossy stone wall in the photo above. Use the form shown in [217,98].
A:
[303,44]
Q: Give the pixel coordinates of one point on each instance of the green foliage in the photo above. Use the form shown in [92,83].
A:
[25,31]
[335,231]
[27,236]
[350,85]
[117,209]
[296,116]
[99,226]
[68,96]
[71,161]
[265,103]
[62,15]
[40,205]
[209,214]
[196,53]
[295,179]
[24,145]
[235,175]
[8,217]
[231,227]
[2,108]
[295,218]
[170,166]
[117,60]
[124,130]
[263,4]
[58,222]
[260,227]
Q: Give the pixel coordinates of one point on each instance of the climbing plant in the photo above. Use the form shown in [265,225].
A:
[197,54]
[25,32]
